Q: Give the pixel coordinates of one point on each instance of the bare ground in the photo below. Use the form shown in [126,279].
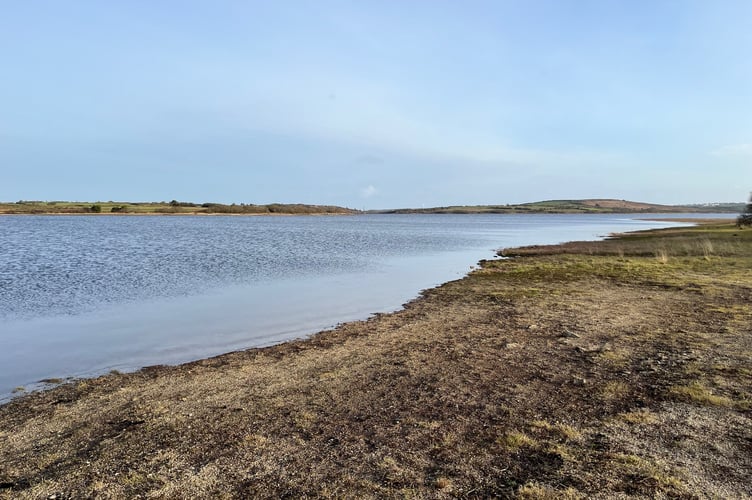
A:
[617,369]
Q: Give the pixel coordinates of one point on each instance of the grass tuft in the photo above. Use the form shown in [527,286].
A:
[444,484]
[534,490]
[662,255]
[644,470]
[570,433]
[513,441]
[639,417]
[699,393]
[615,390]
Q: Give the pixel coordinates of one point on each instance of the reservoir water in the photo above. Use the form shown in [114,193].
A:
[80,296]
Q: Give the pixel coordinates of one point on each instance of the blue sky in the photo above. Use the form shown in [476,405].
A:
[376,104]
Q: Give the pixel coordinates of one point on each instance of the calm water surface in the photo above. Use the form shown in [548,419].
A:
[83,295]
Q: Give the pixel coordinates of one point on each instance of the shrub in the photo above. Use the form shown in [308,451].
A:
[745,219]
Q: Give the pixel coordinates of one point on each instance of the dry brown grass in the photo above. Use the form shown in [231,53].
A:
[699,393]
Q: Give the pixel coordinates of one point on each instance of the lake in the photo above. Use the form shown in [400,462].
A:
[84,295]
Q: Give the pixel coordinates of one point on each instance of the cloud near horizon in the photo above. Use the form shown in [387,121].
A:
[368,191]
[744,149]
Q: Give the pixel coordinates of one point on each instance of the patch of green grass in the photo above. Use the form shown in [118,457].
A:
[705,259]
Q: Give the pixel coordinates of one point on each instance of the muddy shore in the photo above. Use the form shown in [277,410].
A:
[620,368]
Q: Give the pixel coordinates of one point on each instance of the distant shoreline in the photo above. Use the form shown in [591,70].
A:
[731,215]
[161,208]
[159,214]
[174,207]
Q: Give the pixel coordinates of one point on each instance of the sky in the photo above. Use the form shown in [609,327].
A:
[376,103]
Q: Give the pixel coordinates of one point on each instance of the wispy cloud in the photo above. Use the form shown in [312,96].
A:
[381,122]
[368,191]
[734,150]
[369,160]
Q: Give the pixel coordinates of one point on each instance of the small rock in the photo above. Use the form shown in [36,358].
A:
[569,335]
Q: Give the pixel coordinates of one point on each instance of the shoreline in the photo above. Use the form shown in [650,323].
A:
[465,366]
[47,367]
[52,379]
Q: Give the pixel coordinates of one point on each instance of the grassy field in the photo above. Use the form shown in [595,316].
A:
[174,207]
[614,369]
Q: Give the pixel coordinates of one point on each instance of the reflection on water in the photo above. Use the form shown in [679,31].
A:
[83,295]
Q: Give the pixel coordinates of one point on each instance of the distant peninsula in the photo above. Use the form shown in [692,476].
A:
[175,207]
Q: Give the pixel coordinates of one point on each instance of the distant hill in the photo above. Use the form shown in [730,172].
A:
[172,208]
[187,208]
[576,206]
